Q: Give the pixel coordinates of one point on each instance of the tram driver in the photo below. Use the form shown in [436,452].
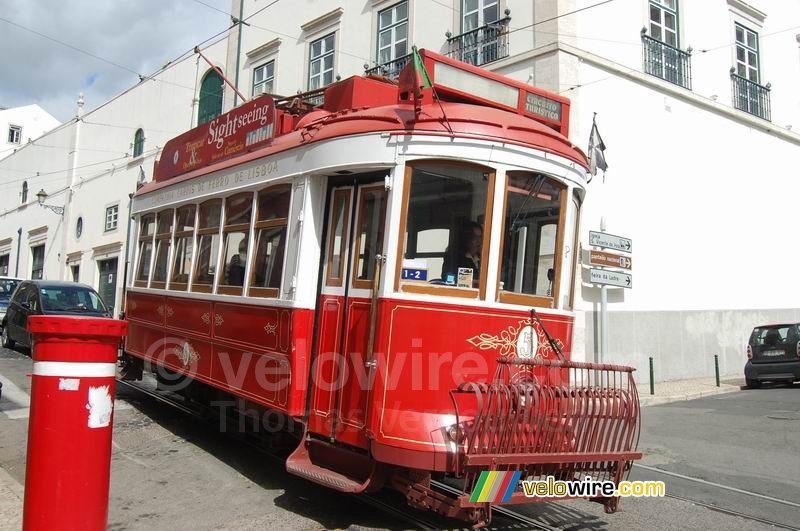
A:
[462,260]
[235,271]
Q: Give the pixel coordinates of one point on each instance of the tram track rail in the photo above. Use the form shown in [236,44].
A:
[420,522]
[401,513]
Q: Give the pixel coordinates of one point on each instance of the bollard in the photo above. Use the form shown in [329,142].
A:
[716,367]
[69,430]
[652,383]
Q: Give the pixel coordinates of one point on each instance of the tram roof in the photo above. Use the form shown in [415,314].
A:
[464,101]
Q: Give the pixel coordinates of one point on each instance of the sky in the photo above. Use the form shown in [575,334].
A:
[140,35]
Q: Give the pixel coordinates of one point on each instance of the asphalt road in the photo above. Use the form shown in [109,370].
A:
[738,452]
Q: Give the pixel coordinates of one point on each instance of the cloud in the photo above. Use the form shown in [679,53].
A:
[137,36]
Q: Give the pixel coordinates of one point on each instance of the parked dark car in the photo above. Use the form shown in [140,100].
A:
[7,287]
[47,297]
[773,353]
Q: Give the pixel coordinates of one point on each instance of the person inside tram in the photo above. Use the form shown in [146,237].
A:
[464,255]
[236,266]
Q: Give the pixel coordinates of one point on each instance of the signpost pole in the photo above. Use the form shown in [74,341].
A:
[603,311]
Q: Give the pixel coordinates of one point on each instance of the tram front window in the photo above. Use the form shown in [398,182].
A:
[532,219]
[444,244]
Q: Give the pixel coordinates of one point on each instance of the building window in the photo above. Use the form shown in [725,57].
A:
[24,192]
[320,62]
[532,240]
[112,213]
[38,262]
[747,59]
[662,55]
[14,134]
[235,240]
[444,251]
[263,78]
[270,239]
[207,246]
[393,33]
[664,21]
[4,264]
[484,36]
[78,228]
[210,101]
[138,143]
[748,94]
[76,272]
[184,245]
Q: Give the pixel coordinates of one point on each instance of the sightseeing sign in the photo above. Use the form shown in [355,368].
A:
[243,129]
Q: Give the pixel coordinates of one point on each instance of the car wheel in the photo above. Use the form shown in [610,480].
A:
[752,384]
[7,341]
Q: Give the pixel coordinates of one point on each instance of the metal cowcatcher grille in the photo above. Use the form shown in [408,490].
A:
[546,418]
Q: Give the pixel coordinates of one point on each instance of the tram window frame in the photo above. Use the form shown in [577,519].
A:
[165,220]
[330,279]
[576,201]
[358,235]
[527,299]
[264,223]
[479,293]
[232,226]
[176,281]
[145,220]
[202,230]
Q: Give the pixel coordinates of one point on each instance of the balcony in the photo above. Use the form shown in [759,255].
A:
[391,69]
[482,45]
[669,63]
[750,97]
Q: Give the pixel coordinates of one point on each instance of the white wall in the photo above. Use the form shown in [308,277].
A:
[33,120]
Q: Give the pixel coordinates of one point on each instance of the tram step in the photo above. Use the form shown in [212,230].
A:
[299,464]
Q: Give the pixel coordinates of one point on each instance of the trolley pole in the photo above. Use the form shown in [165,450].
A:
[652,379]
[716,367]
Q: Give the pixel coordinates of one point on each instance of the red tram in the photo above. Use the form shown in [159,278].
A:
[393,271]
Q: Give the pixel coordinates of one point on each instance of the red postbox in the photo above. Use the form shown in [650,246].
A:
[69,432]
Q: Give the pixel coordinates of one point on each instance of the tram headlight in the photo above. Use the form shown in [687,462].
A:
[456,433]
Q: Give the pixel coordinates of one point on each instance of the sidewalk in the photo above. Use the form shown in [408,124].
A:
[11,494]
[678,390]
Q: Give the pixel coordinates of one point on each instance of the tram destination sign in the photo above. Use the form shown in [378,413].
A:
[610,278]
[604,259]
[609,241]
[245,128]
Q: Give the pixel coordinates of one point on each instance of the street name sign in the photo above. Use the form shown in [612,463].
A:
[601,258]
[610,278]
[609,241]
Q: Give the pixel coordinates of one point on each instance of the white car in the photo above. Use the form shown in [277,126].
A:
[7,287]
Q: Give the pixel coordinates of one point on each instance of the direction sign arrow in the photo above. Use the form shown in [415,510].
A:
[601,258]
[610,278]
[601,239]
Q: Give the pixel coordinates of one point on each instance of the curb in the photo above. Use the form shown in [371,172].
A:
[655,400]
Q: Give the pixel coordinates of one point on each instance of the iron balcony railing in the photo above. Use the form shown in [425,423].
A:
[390,69]
[481,45]
[750,97]
[667,62]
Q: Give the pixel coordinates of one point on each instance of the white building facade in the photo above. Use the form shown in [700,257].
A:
[697,102]
[21,125]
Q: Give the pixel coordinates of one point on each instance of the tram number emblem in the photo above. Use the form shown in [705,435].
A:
[527,343]
[414,274]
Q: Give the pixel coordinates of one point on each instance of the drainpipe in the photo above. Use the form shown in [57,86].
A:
[70,183]
[238,55]
[127,257]
[19,248]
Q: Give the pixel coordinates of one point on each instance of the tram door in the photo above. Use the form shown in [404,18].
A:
[342,370]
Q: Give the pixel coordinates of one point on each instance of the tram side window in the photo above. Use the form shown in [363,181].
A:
[270,237]
[444,248]
[369,234]
[163,236]
[533,218]
[184,244]
[145,256]
[207,246]
[235,238]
